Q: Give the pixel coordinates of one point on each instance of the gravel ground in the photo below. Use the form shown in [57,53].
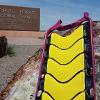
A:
[9,65]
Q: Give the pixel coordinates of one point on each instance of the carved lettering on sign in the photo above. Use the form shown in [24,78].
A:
[19,18]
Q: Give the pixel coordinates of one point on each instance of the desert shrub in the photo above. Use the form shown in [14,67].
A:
[11,50]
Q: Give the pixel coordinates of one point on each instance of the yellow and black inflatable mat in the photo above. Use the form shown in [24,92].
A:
[66,71]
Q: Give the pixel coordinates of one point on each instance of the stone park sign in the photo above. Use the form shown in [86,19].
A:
[19,18]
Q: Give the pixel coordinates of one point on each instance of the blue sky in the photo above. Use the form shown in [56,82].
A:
[52,10]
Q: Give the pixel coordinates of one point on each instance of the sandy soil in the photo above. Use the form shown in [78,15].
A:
[9,65]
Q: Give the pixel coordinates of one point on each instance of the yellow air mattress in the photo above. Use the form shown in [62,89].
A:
[63,75]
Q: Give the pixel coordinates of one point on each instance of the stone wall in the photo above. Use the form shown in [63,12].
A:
[28,34]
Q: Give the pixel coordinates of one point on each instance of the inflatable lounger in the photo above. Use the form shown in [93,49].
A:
[67,66]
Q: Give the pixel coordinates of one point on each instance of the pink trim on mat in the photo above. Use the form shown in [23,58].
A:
[93,64]
[43,48]
[60,27]
[42,60]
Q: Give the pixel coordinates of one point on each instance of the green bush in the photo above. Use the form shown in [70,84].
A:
[11,50]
